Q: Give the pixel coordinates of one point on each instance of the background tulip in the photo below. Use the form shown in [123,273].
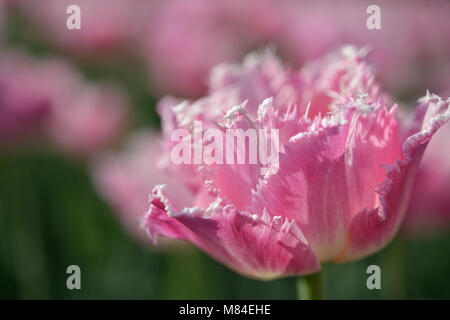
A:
[180,42]
[47,100]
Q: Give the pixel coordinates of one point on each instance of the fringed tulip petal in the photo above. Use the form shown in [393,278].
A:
[372,229]
[258,247]
[310,187]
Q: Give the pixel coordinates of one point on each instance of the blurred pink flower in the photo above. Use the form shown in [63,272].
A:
[181,41]
[184,43]
[49,100]
[344,177]
[107,26]
[408,45]
[187,42]
[440,80]
[94,119]
[21,111]
[187,38]
[123,179]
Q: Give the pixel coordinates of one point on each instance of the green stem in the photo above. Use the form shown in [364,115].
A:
[310,287]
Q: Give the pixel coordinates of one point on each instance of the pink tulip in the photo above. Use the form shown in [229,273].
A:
[21,112]
[184,40]
[92,120]
[47,99]
[107,26]
[343,181]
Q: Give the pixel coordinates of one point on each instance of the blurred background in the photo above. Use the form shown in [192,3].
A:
[73,100]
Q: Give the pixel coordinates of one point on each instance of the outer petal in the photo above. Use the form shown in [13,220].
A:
[262,248]
[371,230]
[429,208]
[310,187]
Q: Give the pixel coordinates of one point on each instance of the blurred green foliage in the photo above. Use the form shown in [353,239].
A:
[51,217]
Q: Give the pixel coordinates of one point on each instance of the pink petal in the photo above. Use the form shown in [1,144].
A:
[310,187]
[370,230]
[371,143]
[429,208]
[336,77]
[260,76]
[234,182]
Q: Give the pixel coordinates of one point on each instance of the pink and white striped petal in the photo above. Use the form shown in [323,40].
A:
[372,229]
[258,247]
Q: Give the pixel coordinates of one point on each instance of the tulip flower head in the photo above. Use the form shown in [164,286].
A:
[46,99]
[344,177]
